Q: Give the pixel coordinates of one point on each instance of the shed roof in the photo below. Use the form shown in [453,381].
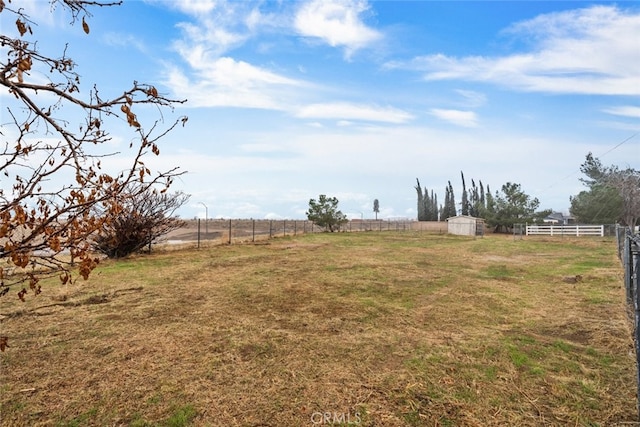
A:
[465,216]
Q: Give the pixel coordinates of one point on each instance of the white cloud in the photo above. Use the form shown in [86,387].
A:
[219,26]
[213,78]
[472,98]
[208,35]
[625,111]
[273,215]
[44,14]
[219,82]
[261,148]
[337,22]
[123,40]
[584,51]
[345,111]
[457,117]
[195,7]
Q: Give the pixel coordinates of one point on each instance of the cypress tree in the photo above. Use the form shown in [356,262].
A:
[474,200]
[421,213]
[490,205]
[452,205]
[465,197]
[434,206]
[449,203]
[427,204]
[445,207]
[428,209]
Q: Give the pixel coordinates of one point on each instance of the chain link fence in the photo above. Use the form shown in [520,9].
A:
[230,231]
[629,254]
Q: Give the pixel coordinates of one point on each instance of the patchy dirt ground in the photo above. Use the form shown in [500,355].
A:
[372,329]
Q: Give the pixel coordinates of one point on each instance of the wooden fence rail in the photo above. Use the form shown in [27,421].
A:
[565,230]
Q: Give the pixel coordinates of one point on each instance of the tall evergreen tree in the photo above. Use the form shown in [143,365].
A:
[449,209]
[473,199]
[452,205]
[464,209]
[490,205]
[427,204]
[421,212]
[434,207]
[445,207]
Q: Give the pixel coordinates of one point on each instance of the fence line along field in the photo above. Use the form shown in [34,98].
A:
[228,231]
[369,329]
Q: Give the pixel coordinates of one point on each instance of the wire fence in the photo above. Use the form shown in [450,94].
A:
[629,254]
[230,231]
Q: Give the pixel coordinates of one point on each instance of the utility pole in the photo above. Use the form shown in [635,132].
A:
[206,219]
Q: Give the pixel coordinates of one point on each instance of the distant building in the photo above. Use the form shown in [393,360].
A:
[464,225]
[558,218]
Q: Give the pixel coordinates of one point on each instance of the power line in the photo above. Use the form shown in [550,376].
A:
[601,155]
[603,196]
[626,140]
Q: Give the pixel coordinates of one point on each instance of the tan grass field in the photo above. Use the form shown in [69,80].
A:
[369,329]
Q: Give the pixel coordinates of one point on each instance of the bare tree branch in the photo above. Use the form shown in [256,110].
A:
[56,192]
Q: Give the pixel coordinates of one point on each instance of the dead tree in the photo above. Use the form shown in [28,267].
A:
[143,217]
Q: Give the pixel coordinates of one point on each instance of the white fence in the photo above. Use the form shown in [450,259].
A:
[565,230]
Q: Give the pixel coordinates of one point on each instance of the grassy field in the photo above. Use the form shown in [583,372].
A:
[369,329]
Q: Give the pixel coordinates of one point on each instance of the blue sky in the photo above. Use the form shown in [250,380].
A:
[354,99]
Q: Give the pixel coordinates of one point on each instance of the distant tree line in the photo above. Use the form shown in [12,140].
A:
[474,201]
[427,204]
[612,196]
[500,210]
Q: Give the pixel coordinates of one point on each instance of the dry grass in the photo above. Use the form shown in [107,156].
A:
[375,329]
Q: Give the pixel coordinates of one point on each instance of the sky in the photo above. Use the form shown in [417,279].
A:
[287,100]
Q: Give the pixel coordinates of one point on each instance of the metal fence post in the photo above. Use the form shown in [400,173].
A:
[628,268]
[198,233]
[634,261]
[631,264]
[229,231]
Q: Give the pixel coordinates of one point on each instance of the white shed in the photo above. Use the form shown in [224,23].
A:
[464,225]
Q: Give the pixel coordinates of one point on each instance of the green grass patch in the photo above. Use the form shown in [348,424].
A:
[499,272]
[81,420]
[182,417]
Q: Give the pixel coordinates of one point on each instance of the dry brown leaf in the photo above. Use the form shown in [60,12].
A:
[22,28]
